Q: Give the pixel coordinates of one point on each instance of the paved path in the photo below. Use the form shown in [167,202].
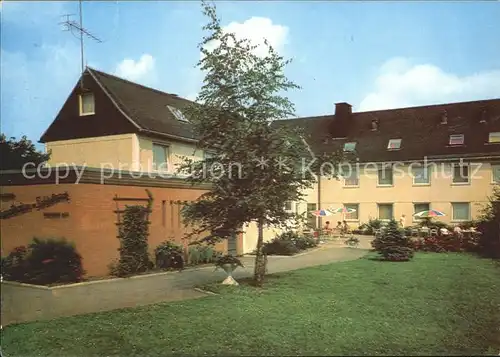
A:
[327,253]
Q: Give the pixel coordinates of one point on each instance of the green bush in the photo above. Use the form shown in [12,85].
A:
[134,233]
[169,256]
[280,246]
[301,242]
[370,227]
[202,254]
[44,262]
[393,245]
[489,226]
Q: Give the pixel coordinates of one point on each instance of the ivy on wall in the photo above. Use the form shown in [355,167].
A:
[133,235]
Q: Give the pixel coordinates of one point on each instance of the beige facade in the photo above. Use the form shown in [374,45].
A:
[460,197]
[129,152]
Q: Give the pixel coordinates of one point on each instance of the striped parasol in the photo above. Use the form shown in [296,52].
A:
[429,213]
[321,213]
[343,210]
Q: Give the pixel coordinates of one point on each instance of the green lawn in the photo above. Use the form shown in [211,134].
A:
[438,304]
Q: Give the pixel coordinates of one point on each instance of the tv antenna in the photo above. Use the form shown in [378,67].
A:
[73,26]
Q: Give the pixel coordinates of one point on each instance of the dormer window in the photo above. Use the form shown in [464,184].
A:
[494,137]
[456,140]
[394,144]
[87,104]
[177,113]
[444,118]
[351,146]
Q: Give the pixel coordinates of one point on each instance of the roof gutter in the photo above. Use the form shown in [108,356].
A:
[180,138]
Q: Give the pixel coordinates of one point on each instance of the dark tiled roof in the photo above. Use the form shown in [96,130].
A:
[147,107]
[419,128]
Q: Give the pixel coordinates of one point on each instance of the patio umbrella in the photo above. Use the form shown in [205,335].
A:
[429,214]
[321,213]
[343,210]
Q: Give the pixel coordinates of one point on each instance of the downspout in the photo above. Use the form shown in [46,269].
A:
[320,224]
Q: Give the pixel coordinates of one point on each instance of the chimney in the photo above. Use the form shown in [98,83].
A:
[444,117]
[343,112]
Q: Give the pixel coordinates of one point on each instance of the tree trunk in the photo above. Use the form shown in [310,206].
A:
[260,257]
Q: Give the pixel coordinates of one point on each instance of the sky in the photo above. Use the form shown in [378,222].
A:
[373,55]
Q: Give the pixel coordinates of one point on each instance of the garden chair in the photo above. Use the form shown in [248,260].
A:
[414,232]
[434,232]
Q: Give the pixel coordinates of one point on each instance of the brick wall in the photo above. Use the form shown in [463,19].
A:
[91,223]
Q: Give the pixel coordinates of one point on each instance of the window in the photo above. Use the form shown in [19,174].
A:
[460,173]
[87,105]
[461,211]
[494,137]
[456,139]
[349,146]
[421,175]
[385,211]
[351,177]
[419,207]
[288,206]
[394,144]
[385,176]
[160,157]
[495,173]
[311,220]
[354,216]
[177,113]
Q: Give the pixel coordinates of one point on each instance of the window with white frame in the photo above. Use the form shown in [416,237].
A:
[495,173]
[420,207]
[385,176]
[494,137]
[351,176]
[421,175]
[288,206]
[351,146]
[460,211]
[177,113]
[354,214]
[394,144]
[87,104]
[461,173]
[160,157]
[456,140]
[385,211]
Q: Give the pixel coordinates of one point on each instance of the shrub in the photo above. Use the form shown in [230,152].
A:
[393,245]
[202,254]
[489,225]
[303,242]
[280,246]
[370,227]
[134,233]
[169,256]
[14,266]
[44,262]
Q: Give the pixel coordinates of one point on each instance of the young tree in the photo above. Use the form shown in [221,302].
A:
[256,166]
[14,154]
[489,226]
[393,245]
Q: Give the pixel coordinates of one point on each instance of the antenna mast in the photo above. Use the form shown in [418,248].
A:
[70,25]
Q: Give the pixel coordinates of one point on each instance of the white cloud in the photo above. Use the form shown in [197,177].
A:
[401,83]
[255,30]
[141,70]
